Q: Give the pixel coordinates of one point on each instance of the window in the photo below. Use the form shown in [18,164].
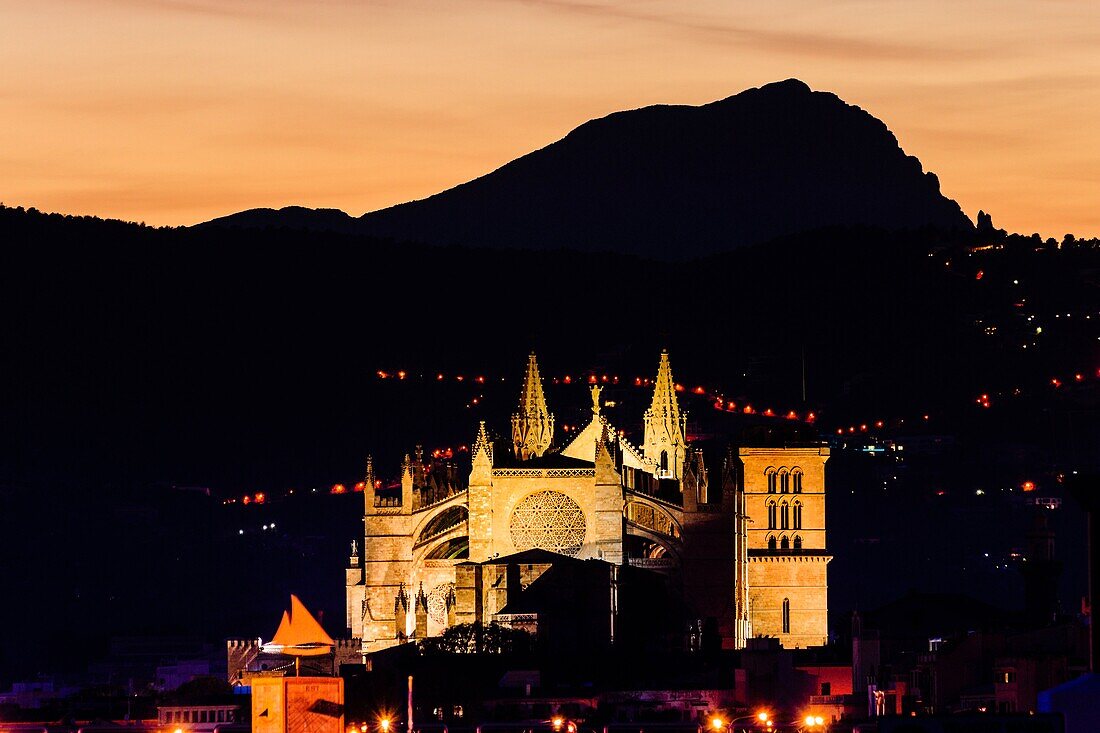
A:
[785,517]
[771,543]
[798,515]
[798,542]
[797,474]
[785,543]
[771,480]
[786,615]
[784,482]
[771,515]
[664,461]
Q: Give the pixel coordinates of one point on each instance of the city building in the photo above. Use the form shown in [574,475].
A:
[740,534]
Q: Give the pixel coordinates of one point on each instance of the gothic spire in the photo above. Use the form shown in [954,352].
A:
[532,423]
[665,425]
[483,447]
[664,391]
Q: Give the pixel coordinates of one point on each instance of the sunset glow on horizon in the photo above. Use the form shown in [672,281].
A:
[177,111]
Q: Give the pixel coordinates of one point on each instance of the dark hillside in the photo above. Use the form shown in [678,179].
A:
[137,361]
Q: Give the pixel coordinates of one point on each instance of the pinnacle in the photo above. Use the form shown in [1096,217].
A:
[482,443]
[531,397]
[664,390]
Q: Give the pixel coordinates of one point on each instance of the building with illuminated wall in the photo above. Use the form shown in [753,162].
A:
[741,536]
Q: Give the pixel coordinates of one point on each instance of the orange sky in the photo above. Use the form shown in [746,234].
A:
[176,111]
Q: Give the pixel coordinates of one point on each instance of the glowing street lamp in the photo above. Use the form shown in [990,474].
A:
[384,725]
[762,717]
[716,723]
[558,722]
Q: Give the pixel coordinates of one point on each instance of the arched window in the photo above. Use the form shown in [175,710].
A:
[771,480]
[798,542]
[784,481]
[797,480]
[784,543]
[786,615]
[784,516]
[771,515]
[664,461]
[771,543]
[798,515]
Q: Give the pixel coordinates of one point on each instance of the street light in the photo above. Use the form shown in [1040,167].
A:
[716,723]
[384,724]
[763,717]
[557,721]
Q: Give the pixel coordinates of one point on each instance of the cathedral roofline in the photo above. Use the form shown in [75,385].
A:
[535,556]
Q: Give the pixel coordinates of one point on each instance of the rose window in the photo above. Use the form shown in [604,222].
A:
[437,602]
[548,520]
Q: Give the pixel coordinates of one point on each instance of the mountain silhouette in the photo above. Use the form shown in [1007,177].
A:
[675,182]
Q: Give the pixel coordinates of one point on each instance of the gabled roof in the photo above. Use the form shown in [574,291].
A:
[548,460]
[584,444]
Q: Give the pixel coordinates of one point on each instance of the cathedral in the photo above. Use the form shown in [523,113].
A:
[741,535]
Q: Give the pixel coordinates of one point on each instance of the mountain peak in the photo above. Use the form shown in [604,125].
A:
[792,87]
[676,181]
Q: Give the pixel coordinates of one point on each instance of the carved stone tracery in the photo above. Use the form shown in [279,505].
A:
[548,520]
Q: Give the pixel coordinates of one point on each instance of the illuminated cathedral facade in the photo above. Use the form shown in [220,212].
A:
[741,536]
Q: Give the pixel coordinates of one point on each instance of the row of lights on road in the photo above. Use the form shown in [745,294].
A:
[717,723]
[562,725]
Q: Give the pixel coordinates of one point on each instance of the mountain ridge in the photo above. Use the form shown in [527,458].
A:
[674,182]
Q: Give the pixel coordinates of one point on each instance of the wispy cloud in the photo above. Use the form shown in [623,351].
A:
[239,9]
[778,41]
